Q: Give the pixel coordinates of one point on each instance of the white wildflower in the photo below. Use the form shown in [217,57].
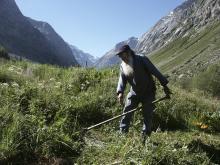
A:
[58,83]
[185,147]
[10,69]
[5,84]
[15,69]
[174,150]
[41,85]
[44,128]
[87,82]
[14,84]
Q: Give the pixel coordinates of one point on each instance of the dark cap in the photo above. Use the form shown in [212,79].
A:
[122,49]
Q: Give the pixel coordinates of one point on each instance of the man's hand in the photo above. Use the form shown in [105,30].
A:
[120,98]
[167,91]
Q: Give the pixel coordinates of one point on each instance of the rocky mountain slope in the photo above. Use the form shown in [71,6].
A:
[192,44]
[187,24]
[109,59]
[19,37]
[84,59]
[191,15]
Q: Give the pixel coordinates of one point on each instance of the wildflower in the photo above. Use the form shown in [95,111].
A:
[174,150]
[204,126]
[14,84]
[19,70]
[58,83]
[10,69]
[198,124]
[83,86]
[87,82]
[44,128]
[41,85]
[5,84]
[15,69]
[185,147]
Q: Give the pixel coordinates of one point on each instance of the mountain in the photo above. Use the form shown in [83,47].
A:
[19,37]
[84,59]
[109,59]
[58,44]
[184,42]
[191,15]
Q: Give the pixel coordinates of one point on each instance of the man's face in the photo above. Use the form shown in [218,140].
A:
[124,56]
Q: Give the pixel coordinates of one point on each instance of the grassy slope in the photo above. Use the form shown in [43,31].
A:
[43,109]
[192,136]
[191,53]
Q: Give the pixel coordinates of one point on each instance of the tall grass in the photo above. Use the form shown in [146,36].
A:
[44,109]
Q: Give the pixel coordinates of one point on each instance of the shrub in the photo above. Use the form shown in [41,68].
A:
[4,53]
[209,80]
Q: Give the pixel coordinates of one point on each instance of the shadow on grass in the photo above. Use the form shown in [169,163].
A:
[34,159]
[168,123]
[212,152]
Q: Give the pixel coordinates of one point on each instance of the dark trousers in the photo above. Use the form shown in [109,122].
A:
[132,102]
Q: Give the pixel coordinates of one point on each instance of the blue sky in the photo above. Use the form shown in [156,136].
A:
[95,26]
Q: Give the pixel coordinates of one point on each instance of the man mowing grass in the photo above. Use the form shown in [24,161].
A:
[137,71]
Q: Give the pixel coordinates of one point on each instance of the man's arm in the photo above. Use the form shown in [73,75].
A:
[153,70]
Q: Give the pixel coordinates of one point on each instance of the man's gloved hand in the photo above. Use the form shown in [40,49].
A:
[120,98]
[167,91]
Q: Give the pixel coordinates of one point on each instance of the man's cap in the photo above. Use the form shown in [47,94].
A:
[122,49]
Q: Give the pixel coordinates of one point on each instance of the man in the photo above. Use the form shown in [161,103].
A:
[137,71]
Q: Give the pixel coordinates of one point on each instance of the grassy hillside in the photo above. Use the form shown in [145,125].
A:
[44,109]
[190,54]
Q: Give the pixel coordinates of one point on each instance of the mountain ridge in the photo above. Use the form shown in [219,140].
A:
[188,19]
[18,36]
[58,44]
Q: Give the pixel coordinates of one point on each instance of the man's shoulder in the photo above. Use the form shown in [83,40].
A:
[140,57]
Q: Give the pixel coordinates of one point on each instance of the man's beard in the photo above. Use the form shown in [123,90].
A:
[128,68]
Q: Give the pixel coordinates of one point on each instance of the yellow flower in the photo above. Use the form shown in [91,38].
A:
[198,123]
[204,126]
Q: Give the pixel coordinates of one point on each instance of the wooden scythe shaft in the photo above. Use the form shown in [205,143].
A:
[116,117]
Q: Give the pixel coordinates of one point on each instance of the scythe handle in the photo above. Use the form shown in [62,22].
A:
[116,117]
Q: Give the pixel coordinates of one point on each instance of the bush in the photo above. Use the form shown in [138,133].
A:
[4,53]
[209,80]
